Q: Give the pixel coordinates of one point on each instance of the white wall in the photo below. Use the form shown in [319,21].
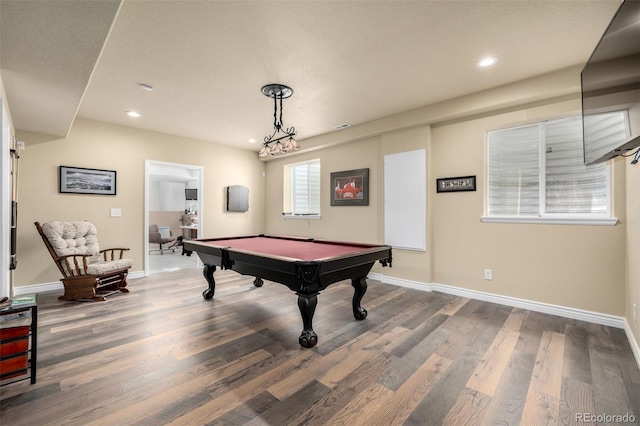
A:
[5,195]
[167,195]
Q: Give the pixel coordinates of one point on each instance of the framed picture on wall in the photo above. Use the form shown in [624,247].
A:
[78,180]
[350,188]
[456,184]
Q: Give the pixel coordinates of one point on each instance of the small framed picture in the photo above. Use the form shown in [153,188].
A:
[78,180]
[350,188]
[456,184]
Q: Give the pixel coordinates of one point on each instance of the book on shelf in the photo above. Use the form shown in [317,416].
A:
[23,300]
[13,316]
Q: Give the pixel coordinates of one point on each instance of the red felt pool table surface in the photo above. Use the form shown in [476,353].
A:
[294,249]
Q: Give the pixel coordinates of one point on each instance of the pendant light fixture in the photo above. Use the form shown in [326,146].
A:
[282,139]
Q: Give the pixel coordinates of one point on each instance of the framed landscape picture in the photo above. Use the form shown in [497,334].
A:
[350,188]
[78,180]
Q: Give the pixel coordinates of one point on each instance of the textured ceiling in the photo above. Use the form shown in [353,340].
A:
[347,61]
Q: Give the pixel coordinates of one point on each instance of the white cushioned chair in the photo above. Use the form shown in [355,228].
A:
[88,272]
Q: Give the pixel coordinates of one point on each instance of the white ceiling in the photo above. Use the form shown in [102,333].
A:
[347,61]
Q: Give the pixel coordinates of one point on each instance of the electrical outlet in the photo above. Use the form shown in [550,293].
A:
[488,274]
[116,212]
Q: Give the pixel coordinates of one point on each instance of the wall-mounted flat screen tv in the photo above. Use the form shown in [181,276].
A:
[191,194]
[611,89]
[237,198]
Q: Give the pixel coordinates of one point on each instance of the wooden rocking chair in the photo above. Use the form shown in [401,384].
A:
[89,273]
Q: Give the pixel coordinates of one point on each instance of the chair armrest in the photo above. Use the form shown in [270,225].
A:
[71,264]
[110,253]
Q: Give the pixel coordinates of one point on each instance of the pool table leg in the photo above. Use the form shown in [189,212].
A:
[208,271]
[360,288]
[307,304]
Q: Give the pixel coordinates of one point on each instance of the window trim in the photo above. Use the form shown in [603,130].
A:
[548,220]
[608,219]
[288,197]
[302,216]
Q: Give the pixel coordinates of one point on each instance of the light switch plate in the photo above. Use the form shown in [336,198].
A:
[488,274]
[116,212]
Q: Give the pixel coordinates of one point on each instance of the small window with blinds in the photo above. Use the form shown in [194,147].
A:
[302,189]
[538,172]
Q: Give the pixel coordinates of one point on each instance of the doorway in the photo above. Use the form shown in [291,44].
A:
[169,203]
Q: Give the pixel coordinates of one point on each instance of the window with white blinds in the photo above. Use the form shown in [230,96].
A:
[538,171]
[305,188]
[603,133]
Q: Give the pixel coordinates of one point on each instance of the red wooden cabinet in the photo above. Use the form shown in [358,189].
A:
[18,340]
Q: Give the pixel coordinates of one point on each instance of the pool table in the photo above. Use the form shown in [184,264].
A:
[305,265]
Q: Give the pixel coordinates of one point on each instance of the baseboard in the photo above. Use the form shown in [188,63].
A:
[135,274]
[37,288]
[57,286]
[563,311]
[632,341]
[416,285]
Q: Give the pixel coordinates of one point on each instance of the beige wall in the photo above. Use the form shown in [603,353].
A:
[359,223]
[102,146]
[167,218]
[576,266]
[569,265]
[632,289]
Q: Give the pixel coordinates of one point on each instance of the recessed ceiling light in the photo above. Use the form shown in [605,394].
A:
[342,126]
[146,87]
[134,114]
[486,62]
[252,140]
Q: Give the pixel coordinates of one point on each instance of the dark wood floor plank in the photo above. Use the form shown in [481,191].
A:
[395,376]
[436,405]
[230,400]
[420,333]
[505,408]
[164,355]
[624,355]
[487,375]
[250,410]
[147,403]
[577,364]
[284,388]
[405,399]
[454,305]
[282,412]
[373,349]
[609,390]
[344,391]
[576,398]
[429,307]
[531,332]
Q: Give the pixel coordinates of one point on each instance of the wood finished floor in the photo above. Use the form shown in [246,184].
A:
[163,355]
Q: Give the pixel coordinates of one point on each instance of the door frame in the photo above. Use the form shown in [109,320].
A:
[158,167]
